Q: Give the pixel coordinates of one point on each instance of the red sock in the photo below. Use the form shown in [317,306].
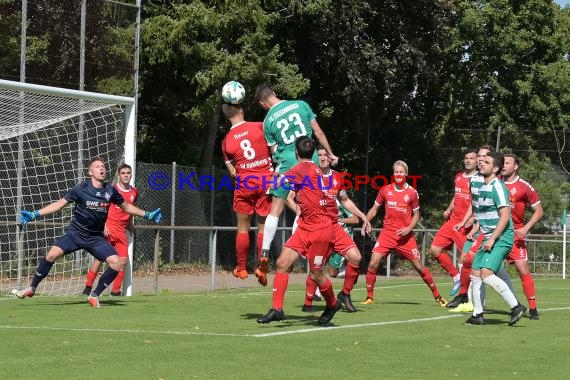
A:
[280,282]
[465,275]
[242,247]
[91,276]
[350,278]
[446,263]
[428,279]
[259,243]
[328,293]
[370,282]
[310,289]
[118,282]
[528,289]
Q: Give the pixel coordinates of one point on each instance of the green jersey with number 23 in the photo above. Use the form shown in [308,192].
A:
[284,123]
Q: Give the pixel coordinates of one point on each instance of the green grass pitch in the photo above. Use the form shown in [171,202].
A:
[214,335]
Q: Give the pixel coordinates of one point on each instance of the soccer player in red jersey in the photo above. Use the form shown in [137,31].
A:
[521,195]
[118,224]
[247,159]
[343,243]
[313,238]
[402,205]
[447,235]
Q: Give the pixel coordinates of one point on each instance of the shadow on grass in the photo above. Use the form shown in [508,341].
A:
[299,318]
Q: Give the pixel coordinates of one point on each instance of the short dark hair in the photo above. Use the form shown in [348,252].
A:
[320,147]
[486,146]
[124,166]
[262,93]
[514,157]
[230,110]
[470,150]
[305,147]
[498,160]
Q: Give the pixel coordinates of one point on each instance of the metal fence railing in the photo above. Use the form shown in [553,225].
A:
[545,251]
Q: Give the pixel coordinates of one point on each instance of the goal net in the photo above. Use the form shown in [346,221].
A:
[47,137]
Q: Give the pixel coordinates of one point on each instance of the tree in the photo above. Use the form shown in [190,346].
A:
[188,55]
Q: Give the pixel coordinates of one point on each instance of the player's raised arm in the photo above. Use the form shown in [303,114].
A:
[28,216]
[320,135]
[155,216]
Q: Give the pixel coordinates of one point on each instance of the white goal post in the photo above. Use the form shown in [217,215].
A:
[47,136]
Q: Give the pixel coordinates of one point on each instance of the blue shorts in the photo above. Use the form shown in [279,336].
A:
[96,245]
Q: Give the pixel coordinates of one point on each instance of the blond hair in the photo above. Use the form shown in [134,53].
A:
[402,164]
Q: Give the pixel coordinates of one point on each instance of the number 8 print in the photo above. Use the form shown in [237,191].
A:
[248,151]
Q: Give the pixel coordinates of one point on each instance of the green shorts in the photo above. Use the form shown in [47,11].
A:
[469,243]
[286,162]
[335,260]
[494,258]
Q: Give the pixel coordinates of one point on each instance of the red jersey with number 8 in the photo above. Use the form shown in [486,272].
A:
[244,147]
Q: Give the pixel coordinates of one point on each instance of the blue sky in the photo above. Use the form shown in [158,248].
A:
[563,2]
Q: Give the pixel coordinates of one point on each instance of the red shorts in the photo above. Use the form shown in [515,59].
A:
[119,241]
[405,246]
[342,241]
[252,198]
[315,246]
[518,252]
[447,236]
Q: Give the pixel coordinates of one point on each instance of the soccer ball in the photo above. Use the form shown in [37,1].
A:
[233,92]
[14,291]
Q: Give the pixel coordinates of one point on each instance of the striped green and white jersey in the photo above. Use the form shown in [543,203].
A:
[490,198]
[475,183]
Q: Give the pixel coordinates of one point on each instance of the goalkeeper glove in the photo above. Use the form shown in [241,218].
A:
[155,216]
[28,216]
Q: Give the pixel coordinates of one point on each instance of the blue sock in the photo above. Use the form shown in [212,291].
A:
[41,272]
[106,279]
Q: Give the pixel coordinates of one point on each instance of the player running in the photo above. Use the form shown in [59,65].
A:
[402,213]
[119,224]
[313,239]
[247,159]
[447,235]
[286,120]
[521,195]
[343,243]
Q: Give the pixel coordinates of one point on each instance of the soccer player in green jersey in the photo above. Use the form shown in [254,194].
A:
[493,214]
[286,120]
[462,302]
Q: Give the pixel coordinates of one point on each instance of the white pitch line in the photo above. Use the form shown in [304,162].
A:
[267,335]
[122,331]
[315,329]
